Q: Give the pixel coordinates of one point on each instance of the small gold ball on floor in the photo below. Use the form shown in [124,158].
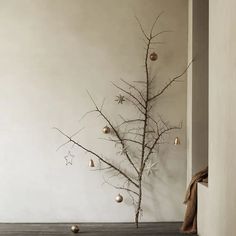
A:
[75,229]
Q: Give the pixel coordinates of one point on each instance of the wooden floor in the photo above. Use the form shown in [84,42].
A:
[107,229]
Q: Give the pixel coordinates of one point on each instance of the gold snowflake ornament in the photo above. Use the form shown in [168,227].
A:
[120,99]
[151,168]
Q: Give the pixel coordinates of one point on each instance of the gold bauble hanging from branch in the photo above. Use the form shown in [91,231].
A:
[106,130]
[119,198]
[153,56]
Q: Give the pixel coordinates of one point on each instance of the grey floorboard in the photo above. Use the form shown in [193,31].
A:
[93,229]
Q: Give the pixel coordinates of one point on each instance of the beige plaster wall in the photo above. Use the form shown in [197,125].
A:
[222,98]
[197,136]
[221,205]
[51,51]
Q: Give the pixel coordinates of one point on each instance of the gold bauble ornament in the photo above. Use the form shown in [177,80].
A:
[91,163]
[75,229]
[119,198]
[177,141]
[106,130]
[153,56]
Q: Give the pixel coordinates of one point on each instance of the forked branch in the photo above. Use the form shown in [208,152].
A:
[115,131]
[99,157]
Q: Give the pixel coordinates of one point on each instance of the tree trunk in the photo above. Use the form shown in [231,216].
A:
[138,209]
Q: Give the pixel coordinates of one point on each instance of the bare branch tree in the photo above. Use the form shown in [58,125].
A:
[144,131]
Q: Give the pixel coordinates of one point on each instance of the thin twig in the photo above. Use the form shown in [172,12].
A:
[154,23]
[170,82]
[141,27]
[135,88]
